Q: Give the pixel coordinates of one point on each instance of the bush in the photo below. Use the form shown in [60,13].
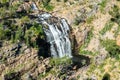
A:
[115,13]
[106,76]
[58,0]
[45,2]
[18,34]
[65,0]
[103,5]
[8,11]
[60,61]
[33,34]
[4,33]
[90,19]
[24,20]
[2,12]
[112,48]
[107,27]
[79,19]
[4,1]
[49,7]
[89,37]
[1,33]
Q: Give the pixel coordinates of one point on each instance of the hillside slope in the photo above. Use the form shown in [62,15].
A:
[95,39]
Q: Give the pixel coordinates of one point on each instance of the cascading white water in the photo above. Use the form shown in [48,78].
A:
[57,36]
[34,7]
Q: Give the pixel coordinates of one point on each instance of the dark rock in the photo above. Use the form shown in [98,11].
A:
[44,48]
[26,0]
[12,76]
[0,43]
[106,77]
[28,77]
[32,16]
[14,47]
[80,61]
[4,4]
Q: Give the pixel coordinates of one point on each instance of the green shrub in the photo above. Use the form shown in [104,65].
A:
[60,61]
[24,19]
[86,52]
[87,41]
[49,7]
[12,10]
[89,37]
[2,12]
[111,47]
[103,5]
[106,76]
[114,11]
[7,34]
[90,19]
[4,33]
[65,0]
[32,34]
[1,33]
[8,11]
[79,19]
[4,1]
[45,2]
[107,27]
[117,31]
[18,34]
[58,0]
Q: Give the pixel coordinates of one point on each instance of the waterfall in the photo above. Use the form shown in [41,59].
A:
[57,35]
[34,7]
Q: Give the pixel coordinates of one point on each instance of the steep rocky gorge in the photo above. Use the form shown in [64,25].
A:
[94,37]
[19,61]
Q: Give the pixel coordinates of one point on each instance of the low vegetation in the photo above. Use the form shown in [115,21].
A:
[86,42]
[108,27]
[103,5]
[115,13]
[112,48]
[90,19]
[20,29]
[47,5]
[57,64]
